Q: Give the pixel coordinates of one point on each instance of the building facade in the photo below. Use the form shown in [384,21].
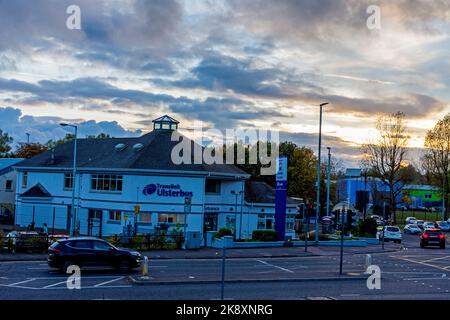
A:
[7,186]
[132,185]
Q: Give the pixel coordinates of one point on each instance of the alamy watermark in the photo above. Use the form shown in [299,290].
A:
[74,280]
[374,280]
[229,147]
[73,21]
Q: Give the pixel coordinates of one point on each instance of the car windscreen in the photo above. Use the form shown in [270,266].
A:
[392,229]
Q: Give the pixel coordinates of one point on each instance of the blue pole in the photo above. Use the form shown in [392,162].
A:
[328,181]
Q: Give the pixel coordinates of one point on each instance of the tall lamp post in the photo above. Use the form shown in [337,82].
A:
[318,174]
[328,181]
[74,171]
[236,194]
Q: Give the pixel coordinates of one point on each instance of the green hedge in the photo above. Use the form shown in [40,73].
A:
[264,235]
[223,232]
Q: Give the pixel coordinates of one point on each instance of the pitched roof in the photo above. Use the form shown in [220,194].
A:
[37,191]
[101,153]
[6,164]
[261,192]
[166,118]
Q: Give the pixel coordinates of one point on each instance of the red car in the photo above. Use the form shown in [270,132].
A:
[432,237]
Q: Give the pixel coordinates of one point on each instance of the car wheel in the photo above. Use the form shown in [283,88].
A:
[442,246]
[124,266]
[66,266]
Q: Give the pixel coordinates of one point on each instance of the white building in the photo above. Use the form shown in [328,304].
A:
[117,174]
[7,185]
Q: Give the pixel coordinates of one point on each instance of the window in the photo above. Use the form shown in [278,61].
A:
[145,217]
[212,186]
[106,182]
[8,185]
[115,215]
[265,221]
[95,214]
[170,218]
[68,181]
[230,222]
[99,245]
[24,179]
[81,244]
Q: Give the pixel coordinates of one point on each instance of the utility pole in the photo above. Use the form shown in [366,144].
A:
[318,173]
[328,181]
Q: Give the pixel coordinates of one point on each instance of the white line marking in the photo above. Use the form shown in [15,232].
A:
[429,260]
[419,262]
[272,265]
[20,282]
[106,282]
[55,284]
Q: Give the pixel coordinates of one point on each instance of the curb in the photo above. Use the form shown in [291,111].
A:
[218,257]
[152,282]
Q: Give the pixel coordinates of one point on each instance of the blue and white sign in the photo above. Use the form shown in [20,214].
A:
[166,190]
[281,194]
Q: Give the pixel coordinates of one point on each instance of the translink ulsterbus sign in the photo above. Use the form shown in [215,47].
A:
[166,190]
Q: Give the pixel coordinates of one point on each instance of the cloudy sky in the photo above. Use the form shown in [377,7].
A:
[232,64]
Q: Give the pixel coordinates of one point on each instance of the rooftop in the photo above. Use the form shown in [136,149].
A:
[151,151]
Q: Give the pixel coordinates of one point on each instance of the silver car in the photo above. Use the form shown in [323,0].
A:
[443,226]
[412,229]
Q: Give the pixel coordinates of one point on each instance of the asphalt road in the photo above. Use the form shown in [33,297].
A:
[407,272]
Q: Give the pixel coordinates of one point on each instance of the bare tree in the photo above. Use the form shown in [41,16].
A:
[436,160]
[385,157]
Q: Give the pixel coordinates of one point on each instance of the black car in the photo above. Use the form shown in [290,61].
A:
[88,251]
[432,237]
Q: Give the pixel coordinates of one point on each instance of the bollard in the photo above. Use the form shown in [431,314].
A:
[144,268]
[368,261]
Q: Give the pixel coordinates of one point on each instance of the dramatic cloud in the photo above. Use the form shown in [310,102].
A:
[43,129]
[230,63]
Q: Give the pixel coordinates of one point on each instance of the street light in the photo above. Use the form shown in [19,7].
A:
[236,194]
[318,174]
[74,171]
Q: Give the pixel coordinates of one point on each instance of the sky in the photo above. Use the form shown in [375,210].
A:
[231,64]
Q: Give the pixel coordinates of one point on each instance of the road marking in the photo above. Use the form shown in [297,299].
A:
[55,284]
[420,262]
[429,260]
[21,282]
[350,295]
[106,282]
[37,268]
[272,265]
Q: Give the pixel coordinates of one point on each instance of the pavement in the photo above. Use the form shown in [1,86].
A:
[407,272]
[212,253]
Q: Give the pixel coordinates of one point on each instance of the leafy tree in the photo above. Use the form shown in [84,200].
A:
[29,150]
[51,143]
[386,156]
[436,160]
[99,136]
[5,144]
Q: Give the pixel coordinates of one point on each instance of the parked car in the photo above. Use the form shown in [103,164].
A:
[412,229]
[52,238]
[432,237]
[391,233]
[443,226]
[90,251]
[410,220]
[429,225]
